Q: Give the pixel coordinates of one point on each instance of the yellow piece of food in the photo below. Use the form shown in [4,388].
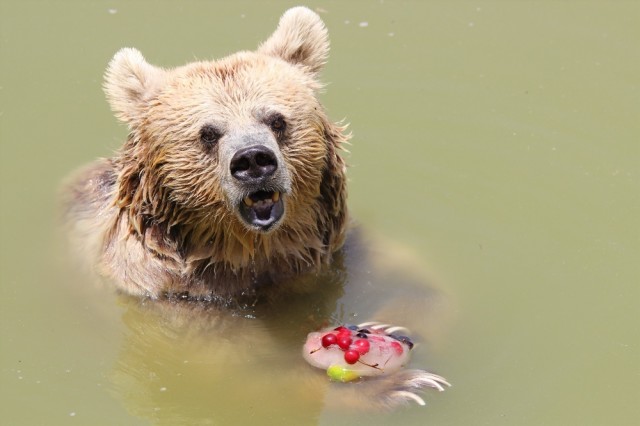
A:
[339,373]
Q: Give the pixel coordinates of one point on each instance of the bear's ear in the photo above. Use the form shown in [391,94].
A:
[129,82]
[300,39]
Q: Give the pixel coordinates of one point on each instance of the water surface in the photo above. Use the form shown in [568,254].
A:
[495,141]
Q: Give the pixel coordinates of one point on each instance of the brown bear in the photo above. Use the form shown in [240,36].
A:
[231,187]
[231,176]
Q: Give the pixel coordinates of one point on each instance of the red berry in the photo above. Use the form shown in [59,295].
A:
[362,346]
[397,347]
[341,329]
[328,340]
[351,356]
[344,342]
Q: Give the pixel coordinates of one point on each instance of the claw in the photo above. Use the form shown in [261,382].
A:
[387,328]
[408,395]
[428,379]
[392,330]
[379,326]
[407,384]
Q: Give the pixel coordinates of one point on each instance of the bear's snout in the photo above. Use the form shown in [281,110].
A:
[255,167]
[257,179]
[253,164]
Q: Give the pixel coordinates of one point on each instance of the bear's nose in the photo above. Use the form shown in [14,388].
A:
[253,163]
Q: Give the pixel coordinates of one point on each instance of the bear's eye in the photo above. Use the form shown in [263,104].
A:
[278,125]
[209,135]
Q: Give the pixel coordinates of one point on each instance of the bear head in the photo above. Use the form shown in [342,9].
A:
[234,159]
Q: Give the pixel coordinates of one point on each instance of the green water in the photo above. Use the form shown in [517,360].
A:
[497,141]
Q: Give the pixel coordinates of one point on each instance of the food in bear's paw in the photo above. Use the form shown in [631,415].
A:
[368,349]
[350,352]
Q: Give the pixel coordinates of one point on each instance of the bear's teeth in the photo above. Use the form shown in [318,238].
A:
[263,203]
[250,202]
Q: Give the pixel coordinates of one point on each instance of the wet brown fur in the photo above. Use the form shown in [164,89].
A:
[155,218]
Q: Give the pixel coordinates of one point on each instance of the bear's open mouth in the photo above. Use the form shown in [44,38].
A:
[262,209]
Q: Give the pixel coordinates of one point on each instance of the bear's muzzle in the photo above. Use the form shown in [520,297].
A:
[258,180]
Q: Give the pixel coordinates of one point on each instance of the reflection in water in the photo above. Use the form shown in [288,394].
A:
[190,362]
